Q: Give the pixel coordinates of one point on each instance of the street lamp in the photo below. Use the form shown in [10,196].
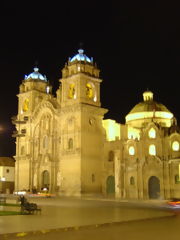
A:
[17,134]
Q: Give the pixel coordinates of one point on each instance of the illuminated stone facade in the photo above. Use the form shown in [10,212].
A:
[65,144]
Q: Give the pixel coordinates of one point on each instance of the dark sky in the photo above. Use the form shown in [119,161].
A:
[136,45]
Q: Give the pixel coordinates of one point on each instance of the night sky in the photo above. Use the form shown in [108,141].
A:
[136,45]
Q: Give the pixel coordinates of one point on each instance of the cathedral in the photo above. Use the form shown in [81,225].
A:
[65,144]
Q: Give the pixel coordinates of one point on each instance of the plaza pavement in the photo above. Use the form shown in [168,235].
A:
[66,214]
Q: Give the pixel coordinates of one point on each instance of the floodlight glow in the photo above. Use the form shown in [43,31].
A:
[112,129]
[3,179]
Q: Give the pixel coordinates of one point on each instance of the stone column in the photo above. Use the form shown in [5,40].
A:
[166,180]
[139,179]
[117,174]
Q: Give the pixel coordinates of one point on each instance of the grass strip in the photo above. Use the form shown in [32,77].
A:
[9,213]
[10,204]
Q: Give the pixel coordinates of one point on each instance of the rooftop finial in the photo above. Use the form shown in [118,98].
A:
[148,96]
[36,69]
[80,50]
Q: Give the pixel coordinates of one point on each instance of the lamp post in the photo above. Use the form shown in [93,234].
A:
[17,134]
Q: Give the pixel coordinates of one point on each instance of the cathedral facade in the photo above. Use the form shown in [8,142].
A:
[65,144]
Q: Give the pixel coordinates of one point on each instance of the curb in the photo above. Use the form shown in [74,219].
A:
[21,235]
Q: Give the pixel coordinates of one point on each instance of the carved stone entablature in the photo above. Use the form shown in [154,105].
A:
[70,109]
[152,160]
[71,152]
[174,161]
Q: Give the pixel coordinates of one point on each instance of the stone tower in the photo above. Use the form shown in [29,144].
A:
[34,89]
[82,134]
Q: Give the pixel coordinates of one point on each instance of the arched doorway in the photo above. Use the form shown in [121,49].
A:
[110,185]
[154,187]
[45,179]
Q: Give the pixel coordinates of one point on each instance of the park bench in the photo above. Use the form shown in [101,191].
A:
[30,208]
[27,207]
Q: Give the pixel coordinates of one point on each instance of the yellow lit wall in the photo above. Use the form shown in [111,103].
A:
[112,129]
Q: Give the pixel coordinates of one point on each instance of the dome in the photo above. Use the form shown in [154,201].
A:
[81,57]
[36,75]
[149,106]
[148,110]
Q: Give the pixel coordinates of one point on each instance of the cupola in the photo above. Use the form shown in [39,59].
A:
[80,63]
[35,76]
[147,111]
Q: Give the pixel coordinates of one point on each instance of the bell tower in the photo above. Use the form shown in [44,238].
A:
[80,81]
[33,89]
[82,132]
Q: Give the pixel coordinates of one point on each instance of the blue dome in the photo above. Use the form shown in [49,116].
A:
[36,75]
[81,57]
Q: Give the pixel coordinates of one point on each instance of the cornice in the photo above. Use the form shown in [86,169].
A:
[84,108]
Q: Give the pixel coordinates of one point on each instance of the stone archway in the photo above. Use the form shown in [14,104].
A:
[154,187]
[45,179]
[110,185]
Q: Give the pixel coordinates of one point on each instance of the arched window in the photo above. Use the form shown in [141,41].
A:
[89,90]
[70,143]
[132,182]
[111,156]
[152,150]
[131,150]
[45,179]
[26,105]
[175,146]
[71,93]
[152,133]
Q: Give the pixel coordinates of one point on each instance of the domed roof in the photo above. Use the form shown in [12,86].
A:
[149,109]
[81,57]
[148,105]
[36,75]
